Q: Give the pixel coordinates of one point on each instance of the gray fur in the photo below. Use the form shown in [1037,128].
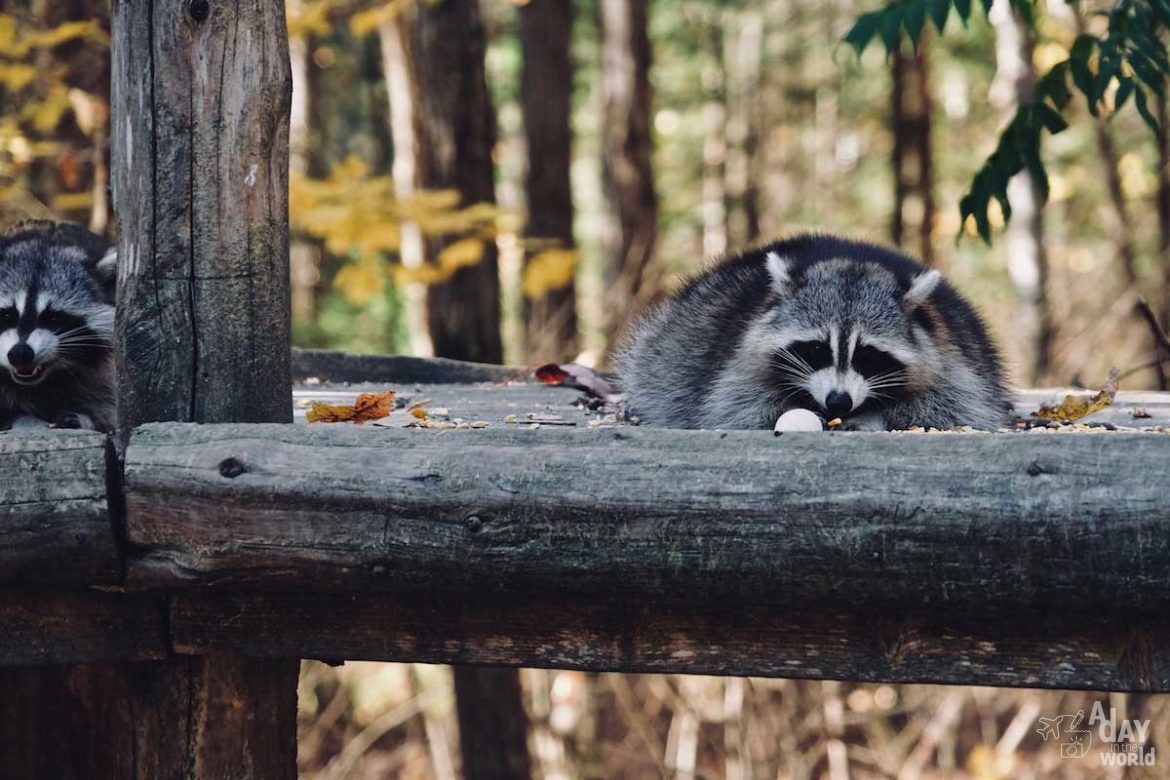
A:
[62,268]
[724,352]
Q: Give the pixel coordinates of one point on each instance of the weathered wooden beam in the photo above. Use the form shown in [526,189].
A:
[977,522]
[57,627]
[54,519]
[1078,649]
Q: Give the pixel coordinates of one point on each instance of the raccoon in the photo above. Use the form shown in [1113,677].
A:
[57,326]
[842,328]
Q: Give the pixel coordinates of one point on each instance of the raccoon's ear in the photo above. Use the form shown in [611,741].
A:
[921,288]
[780,269]
[106,271]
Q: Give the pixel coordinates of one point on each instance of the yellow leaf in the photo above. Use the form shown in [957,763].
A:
[365,22]
[461,254]
[551,269]
[1074,407]
[369,406]
[358,282]
[15,76]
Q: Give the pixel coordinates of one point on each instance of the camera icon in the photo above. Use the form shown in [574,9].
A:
[1073,749]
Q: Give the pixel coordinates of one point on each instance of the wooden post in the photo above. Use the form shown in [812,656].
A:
[201,97]
[200,111]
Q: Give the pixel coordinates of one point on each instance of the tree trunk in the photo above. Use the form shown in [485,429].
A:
[743,51]
[402,91]
[631,223]
[546,90]
[305,252]
[493,729]
[1162,360]
[1014,85]
[1164,207]
[911,108]
[457,132]
[454,127]
[714,83]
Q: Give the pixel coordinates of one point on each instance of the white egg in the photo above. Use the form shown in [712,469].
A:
[798,420]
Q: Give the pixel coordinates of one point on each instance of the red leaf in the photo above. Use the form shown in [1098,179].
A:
[551,374]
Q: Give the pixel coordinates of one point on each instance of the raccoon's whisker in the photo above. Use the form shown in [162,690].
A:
[891,379]
[884,385]
[83,342]
[788,363]
[794,359]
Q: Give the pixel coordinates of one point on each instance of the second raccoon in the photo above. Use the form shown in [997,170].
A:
[843,328]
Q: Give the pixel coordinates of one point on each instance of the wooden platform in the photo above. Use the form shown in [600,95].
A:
[560,536]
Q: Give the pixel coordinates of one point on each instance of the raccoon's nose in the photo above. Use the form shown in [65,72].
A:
[838,403]
[21,356]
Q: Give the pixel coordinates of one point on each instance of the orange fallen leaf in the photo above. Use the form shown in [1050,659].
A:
[369,406]
[419,412]
[1074,407]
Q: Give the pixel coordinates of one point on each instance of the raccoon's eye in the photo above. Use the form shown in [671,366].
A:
[8,318]
[871,361]
[55,320]
[816,354]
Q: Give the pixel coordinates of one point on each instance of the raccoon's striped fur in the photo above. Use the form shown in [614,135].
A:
[843,328]
[56,327]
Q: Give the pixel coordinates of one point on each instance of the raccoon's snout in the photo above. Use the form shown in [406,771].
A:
[23,362]
[838,403]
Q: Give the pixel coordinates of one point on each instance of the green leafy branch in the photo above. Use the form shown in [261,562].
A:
[1130,57]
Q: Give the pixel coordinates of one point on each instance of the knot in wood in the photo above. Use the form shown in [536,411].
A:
[231,468]
[473,523]
[1035,469]
[199,10]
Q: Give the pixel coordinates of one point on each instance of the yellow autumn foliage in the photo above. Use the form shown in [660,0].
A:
[39,101]
[356,213]
[367,21]
[360,281]
[550,269]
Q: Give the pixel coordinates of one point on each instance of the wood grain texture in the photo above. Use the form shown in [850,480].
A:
[200,156]
[980,522]
[154,720]
[201,102]
[1083,650]
[54,522]
[57,627]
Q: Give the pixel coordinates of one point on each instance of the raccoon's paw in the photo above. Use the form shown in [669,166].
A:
[75,421]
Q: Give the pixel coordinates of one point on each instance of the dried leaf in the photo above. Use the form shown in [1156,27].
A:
[1074,407]
[551,374]
[369,406]
[575,375]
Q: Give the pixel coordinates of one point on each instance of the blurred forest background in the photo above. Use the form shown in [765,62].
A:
[511,181]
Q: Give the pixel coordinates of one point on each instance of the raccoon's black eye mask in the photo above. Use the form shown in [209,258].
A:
[59,321]
[815,354]
[8,318]
[871,361]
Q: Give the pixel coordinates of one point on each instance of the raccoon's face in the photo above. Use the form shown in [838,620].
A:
[56,314]
[847,337]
